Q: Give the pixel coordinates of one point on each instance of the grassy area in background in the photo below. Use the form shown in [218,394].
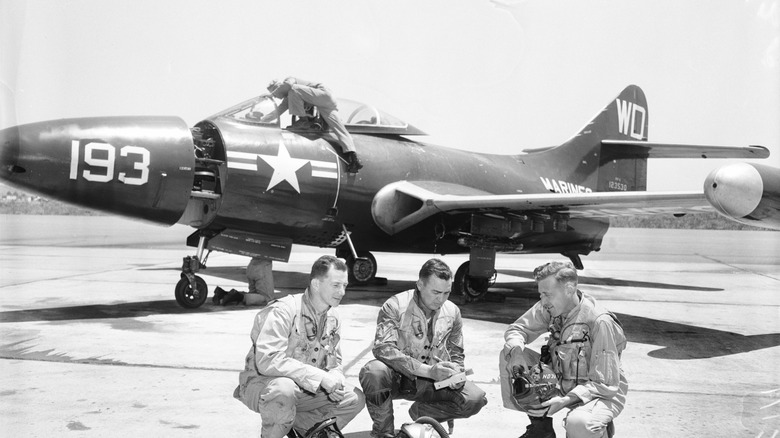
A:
[700,221]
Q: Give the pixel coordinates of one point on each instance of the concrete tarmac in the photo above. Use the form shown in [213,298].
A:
[93,344]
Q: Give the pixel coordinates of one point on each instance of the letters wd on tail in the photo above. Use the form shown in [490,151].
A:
[625,118]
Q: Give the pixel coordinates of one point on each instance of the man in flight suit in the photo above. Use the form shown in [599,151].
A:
[585,345]
[259,277]
[293,375]
[419,341]
[296,93]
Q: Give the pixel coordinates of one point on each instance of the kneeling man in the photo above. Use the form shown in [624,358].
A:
[419,341]
[293,376]
[579,368]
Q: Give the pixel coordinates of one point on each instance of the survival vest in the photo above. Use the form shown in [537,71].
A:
[309,342]
[570,343]
[414,337]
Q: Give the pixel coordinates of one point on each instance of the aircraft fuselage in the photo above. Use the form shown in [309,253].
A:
[284,183]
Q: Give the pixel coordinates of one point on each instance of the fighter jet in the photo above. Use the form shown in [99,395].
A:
[255,188]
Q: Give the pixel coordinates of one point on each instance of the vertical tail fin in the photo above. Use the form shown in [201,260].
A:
[624,118]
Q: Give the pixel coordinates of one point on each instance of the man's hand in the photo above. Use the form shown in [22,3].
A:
[337,395]
[455,382]
[444,370]
[534,412]
[331,382]
[512,349]
[557,403]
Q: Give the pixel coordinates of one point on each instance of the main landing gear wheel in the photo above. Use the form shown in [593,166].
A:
[361,269]
[471,288]
[188,298]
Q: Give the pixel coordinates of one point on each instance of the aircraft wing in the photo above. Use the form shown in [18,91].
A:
[403,204]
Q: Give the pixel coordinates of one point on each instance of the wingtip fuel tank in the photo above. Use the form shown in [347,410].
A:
[748,193]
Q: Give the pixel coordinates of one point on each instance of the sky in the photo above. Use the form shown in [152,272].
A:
[494,76]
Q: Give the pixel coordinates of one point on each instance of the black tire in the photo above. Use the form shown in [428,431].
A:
[470,287]
[188,298]
[363,269]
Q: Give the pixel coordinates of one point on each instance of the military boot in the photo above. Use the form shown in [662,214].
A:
[353,163]
[233,296]
[540,427]
[219,294]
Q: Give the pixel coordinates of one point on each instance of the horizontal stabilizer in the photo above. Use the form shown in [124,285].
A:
[644,149]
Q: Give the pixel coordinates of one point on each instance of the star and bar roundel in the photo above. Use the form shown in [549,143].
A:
[284,166]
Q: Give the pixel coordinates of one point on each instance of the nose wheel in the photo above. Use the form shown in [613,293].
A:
[188,296]
[191,290]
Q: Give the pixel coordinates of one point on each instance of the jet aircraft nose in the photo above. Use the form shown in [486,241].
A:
[734,189]
[9,152]
[140,166]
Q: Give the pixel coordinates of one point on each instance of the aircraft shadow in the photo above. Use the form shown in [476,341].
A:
[683,341]
[677,341]
[617,282]
[239,274]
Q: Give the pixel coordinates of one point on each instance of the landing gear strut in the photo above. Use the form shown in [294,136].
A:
[191,290]
[362,265]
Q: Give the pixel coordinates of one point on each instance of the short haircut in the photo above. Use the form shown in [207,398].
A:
[563,272]
[323,264]
[435,267]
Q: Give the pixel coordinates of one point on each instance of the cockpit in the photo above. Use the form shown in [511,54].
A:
[358,117]
[210,151]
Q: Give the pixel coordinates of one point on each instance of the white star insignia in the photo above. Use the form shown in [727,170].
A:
[284,168]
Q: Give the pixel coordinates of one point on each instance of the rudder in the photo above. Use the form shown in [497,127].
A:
[584,159]
[625,118]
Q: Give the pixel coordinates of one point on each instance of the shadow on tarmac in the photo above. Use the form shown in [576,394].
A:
[677,341]
[616,282]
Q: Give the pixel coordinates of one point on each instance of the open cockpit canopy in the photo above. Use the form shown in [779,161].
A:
[358,117]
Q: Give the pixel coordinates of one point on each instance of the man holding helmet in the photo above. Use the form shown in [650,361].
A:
[579,368]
